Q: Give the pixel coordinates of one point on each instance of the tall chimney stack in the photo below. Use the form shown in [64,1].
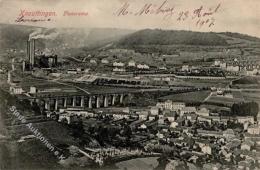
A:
[31,52]
[32,49]
[28,51]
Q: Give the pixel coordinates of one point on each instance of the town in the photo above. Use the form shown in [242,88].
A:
[113,105]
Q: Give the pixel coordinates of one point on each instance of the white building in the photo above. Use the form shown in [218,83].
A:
[217,63]
[254,130]
[118,69]
[188,110]
[185,68]
[174,124]
[170,105]
[232,68]
[104,61]
[143,66]
[251,72]
[92,61]
[170,115]
[206,149]
[143,126]
[33,90]
[154,110]
[229,134]
[203,112]
[223,65]
[176,106]
[131,63]
[247,145]
[16,90]
[118,64]
[72,71]
[244,119]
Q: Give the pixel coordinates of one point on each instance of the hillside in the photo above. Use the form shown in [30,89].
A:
[163,37]
[15,36]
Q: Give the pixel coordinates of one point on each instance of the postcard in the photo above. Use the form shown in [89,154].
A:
[129,84]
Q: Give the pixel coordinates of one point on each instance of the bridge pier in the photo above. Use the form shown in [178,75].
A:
[113,99]
[73,101]
[90,102]
[98,102]
[47,105]
[56,104]
[105,101]
[65,102]
[121,98]
[82,101]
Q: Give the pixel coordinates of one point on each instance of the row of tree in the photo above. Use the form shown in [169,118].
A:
[245,109]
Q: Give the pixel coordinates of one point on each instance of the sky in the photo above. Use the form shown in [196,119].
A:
[241,16]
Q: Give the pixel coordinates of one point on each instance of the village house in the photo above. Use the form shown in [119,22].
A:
[229,134]
[142,66]
[170,115]
[176,106]
[72,71]
[232,68]
[143,115]
[131,63]
[16,90]
[204,119]
[174,124]
[204,145]
[251,72]
[246,145]
[104,61]
[253,129]
[209,133]
[143,126]
[118,64]
[191,117]
[188,110]
[92,61]
[118,69]
[206,149]
[185,68]
[244,119]
[118,116]
[203,112]
[64,117]
[154,110]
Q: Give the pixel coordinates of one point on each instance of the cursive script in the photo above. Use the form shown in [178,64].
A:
[202,16]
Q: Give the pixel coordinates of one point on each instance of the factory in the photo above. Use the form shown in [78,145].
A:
[40,61]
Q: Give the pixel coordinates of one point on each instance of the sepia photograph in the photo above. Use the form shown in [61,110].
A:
[129,85]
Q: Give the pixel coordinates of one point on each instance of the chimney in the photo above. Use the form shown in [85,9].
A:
[32,49]
[28,51]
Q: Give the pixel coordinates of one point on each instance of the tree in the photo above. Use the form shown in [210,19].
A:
[245,109]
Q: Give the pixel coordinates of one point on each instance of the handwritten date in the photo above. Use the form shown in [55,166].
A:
[202,16]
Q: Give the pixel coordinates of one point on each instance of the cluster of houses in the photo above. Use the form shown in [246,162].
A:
[245,67]
[177,125]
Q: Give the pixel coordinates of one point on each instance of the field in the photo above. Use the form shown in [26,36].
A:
[227,101]
[247,82]
[201,83]
[138,164]
[190,97]
[252,96]
[224,100]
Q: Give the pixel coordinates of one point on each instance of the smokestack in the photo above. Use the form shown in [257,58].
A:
[32,50]
[28,51]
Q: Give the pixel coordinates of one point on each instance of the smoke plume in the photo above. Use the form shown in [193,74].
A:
[43,34]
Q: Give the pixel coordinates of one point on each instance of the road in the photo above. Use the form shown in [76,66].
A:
[207,98]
